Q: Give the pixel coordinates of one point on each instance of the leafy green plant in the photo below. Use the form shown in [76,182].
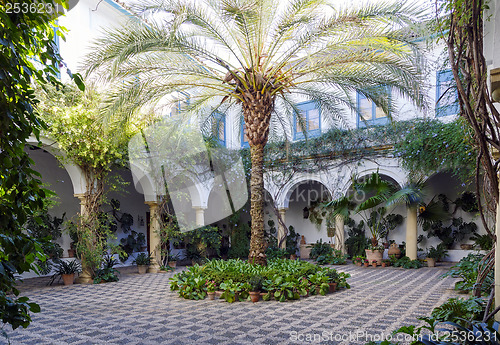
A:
[108,272]
[276,253]
[461,311]
[65,267]
[356,242]
[438,252]
[142,259]
[406,262]
[282,279]
[189,283]
[320,248]
[256,282]
[483,242]
[282,288]
[319,281]
[335,258]
[467,270]
[232,290]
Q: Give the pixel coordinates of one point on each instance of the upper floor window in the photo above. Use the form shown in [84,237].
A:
[218,127]
[180,104]
[311,116]
[368,112]
[446,94]
[243,133]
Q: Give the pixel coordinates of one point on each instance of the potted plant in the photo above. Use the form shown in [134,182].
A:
[211,287]
[66,270]
[436,254]
[374,253]
[366,262]
[374,263]
[255,283]
[172,260]
[386,263]
[333,278]
[142,261]
[358,260]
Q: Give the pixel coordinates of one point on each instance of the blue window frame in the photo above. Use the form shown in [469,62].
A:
[446,94]
[58,49]
[180,104]
[243,134]
[219,128]
[311,114]
[368,112]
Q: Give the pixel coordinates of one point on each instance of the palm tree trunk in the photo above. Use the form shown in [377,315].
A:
[257,110]
[257,245]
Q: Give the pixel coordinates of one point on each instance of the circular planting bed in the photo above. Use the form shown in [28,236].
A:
[280,280]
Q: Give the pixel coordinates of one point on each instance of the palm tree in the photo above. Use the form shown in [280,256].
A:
[260,57]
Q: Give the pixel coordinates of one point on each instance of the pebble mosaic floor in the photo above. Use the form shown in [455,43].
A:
[141,309]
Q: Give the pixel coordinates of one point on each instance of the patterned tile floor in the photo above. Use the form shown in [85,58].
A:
[141,309]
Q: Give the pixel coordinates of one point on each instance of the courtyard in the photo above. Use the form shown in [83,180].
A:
[141,309]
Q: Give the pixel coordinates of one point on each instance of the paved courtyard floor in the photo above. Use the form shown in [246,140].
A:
[141,309]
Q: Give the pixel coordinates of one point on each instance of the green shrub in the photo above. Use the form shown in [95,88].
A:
[281,279]
[320,248]
[467,269]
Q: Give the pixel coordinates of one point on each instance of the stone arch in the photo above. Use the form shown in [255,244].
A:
[74,172]
[283,199]
[396,176]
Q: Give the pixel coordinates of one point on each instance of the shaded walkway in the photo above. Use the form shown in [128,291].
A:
[141,309]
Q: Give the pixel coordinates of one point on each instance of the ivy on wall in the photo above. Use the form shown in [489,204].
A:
[424,147]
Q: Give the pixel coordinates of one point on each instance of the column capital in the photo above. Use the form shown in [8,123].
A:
[199,208]
[80,196]
[151,204]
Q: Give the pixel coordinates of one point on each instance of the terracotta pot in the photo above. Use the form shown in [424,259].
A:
[431,262]
[385,264]
[172,264]
[68,278]
[394,250]
[333,287]
[358,264]
[71,253]
[293,257]
[373,255]
[374,264]
[254,296]
[142,269]
[366,264]
[211,295]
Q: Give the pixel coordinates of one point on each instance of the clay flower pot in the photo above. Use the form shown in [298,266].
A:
[172,264]
[211,295]
[431,262]
[254,296]
[68,278]
[366,264]
[142,269]
[333,287]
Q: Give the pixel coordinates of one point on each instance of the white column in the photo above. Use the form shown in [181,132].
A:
[200,216]
[339,234]
[84,277]
[154,237]
[411,233]
[282,229]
